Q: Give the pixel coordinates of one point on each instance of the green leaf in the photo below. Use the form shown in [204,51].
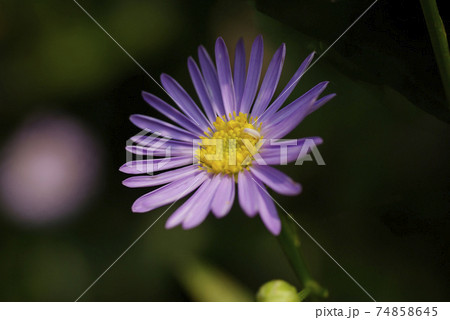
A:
[439,41]
[388,46]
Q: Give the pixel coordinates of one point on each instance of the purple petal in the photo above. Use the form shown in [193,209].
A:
[169,193]
[201,89]
[253,74]
[161,127]
[200,209]
[287,89]
[160,179]
[281,155]
[239,70]
[154,165]
[247,193]
[225,78]
[171,113]
[211,81]
[276,180]
[283,147]
[267,210]
[276,144]
[188,206]
[224,197]
[184,101]
[161,152]
[285,120]
[156,142]
[301,103]
[270,82]
[321,102]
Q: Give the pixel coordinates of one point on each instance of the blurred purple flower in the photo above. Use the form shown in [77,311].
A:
[227,138]
[48,170]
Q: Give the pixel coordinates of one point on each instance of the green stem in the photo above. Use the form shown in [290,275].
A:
[439,42]
[302,295]
[290,243]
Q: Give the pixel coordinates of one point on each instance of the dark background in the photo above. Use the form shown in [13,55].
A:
[380,206]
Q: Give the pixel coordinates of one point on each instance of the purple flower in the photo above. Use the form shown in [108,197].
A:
[223,146]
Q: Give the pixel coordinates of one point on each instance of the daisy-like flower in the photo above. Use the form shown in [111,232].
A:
[229,145]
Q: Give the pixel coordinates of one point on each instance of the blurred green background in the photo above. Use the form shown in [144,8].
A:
[380,206]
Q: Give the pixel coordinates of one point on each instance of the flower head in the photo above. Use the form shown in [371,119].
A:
[230,143]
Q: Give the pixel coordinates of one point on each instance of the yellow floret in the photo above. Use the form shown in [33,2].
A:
[230,145]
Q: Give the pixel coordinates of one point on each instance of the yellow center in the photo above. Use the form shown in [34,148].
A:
[230,145]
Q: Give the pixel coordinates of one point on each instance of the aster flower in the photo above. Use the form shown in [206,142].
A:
[222,148]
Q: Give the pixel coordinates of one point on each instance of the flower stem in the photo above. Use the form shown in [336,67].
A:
[439,42]
[290,243]
[302,295]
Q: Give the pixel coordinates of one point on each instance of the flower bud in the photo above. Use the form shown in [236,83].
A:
[277,291]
